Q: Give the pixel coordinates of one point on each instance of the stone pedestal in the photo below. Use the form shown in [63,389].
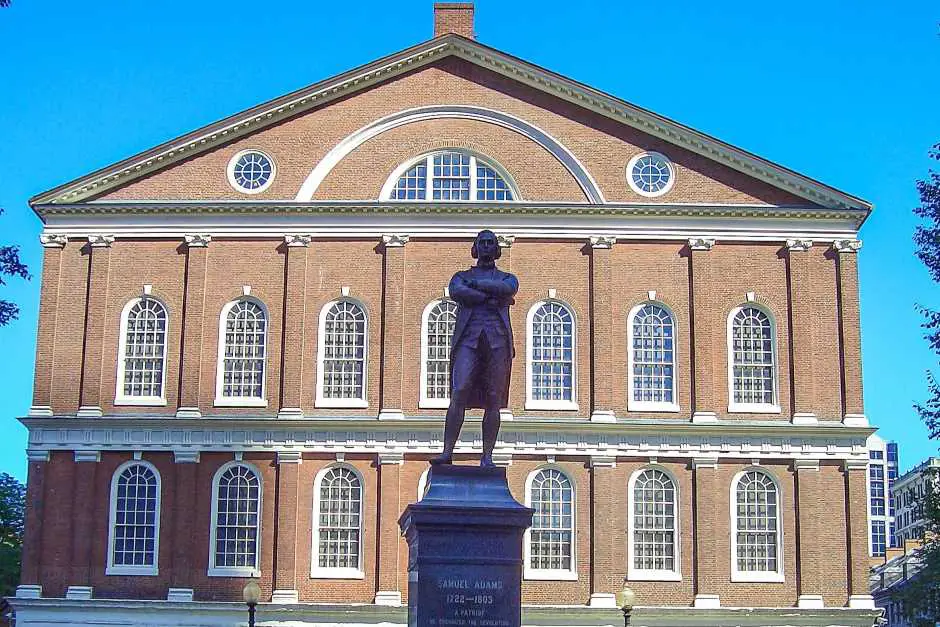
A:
[465,550]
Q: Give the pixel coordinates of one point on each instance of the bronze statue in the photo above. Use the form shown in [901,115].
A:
[481,349]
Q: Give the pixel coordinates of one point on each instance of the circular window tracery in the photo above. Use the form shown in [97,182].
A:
[650,174]
[251,171]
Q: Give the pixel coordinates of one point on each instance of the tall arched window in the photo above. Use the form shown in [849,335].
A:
[550,544]
[752,370]
[438,323]
[134,529]
[653,529]
[652,354]
[141,376]
[756,546]
[450,175]
[243,332]
[337,530]
[235,545]
[341,359]
[550,362]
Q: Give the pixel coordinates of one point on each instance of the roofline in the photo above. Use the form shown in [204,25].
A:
[306,98]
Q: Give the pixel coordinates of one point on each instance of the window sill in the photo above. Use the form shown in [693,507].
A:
[535,574]
[132,571]
[753,408]
[143,401]
[653,575]
[652,407]
[342,403]
[434,403]
[337,573]
[552,405]
[754,577]
[240,402]
[234,572]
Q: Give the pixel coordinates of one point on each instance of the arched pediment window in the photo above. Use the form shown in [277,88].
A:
[450,176]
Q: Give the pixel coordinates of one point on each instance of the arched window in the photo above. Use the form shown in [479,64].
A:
[752,368]
[652,354]
[236,522]
[550,543]
[341,359]
[134,529]
[653,529]
[452,175]
[756,546]
[550,362]
[141,376]
[438,323]
[243,331]
[337,530]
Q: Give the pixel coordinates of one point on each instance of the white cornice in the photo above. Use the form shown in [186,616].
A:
[387,68]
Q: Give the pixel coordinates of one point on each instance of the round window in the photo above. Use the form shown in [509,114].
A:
[650,174]
[251,171]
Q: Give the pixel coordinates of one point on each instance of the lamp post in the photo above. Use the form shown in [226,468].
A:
[626,599]
[251,594]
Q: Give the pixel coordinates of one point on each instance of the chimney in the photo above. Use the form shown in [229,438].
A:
[453,17]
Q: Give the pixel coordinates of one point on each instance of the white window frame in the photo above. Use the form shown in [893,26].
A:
[346,403]
[144,401]
[553,574]
[669,184]
[121,569]
[753,408]
[653,406]
[429,159]
[320,572]
[230,171]
[550,405]
[228,401]
[234,571]
[755,576]
[423,401]
[644,574]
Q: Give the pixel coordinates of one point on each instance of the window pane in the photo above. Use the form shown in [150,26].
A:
[339,519]
[550,538]
[135,517]
[552,353]
[144,349]
[752,357]
[238,512]
[344,347]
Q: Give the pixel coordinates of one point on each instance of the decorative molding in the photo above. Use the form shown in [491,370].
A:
[704,417]
[197,240]
[701,243]
[239,455]
[289,457]
[847,245]
[33,455]
[89,411]
[286,597]
[855,463]
[246,290]
[100,241]
[391,414]
[79,593]
[186,456]
[806,464]
[147,289]
[502,459]
[710,462]
[602,241]
[53,241]
[805,418]
[603,415]
[750,297]
[651,294]
[799,245]
[344,291]
[505,415]
[138,455]
[855,420]
[396,457]
[603,461]
[340,456]
[505,241]
[179,595]
[40,411]
[388,598]
[395,240]
[290,413]
[294,240]
[706,601]
[810,601]
[552,292]
[29,591]
[188,412]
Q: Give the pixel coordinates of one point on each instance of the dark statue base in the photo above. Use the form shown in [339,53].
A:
[465,550]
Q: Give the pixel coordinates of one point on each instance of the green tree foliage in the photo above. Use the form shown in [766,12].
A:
[921,597]
[10,265]
[12,509]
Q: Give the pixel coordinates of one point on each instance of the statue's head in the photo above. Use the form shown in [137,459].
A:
[486,246]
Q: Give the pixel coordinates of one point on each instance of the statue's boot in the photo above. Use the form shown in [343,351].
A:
[442,459]
[486,462]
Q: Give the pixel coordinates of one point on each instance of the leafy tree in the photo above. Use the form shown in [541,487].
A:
[10,265]
[12,509]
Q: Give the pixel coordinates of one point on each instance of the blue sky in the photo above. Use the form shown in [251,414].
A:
[845,92]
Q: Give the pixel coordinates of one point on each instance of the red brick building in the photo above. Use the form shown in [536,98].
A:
[242,358]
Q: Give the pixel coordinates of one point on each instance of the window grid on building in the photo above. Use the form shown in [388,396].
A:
[144,349]
[344,351]
[339,519]
[654,521]
[552,356]
[454,176]
[252,170]
[413,184]
[490,185]
[753,357]
[244,353]
[876,484]
[878,537]
[451,180]
[552,498]
[756,523]
[653,355]
[238,511]
[136,503]
[441,322]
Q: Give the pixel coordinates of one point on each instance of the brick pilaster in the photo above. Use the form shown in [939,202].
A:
[856,494]
[708,575]
[295,307]
[187,492]
[704,343]
[99,248]
[603,582]
[84,517]
[48,315]
[194,309]
[602,316]
[32,535]
[849,332]
[388,590]
[811,504]
[393,319]
[801,315]
[286,524]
